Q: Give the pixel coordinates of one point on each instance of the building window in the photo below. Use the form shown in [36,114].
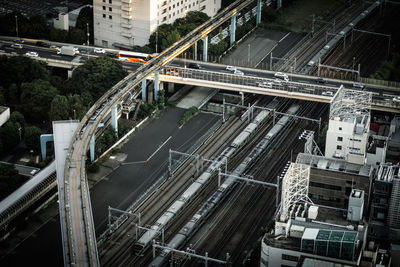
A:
[110,9]
[110,1]
[104,8]
[340,128]
[104,1]
[326,186]
[110,17]
[290,258]
[104,16]
[340,139]
[339,147]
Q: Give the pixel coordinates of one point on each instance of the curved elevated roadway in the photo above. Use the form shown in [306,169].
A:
[82,249]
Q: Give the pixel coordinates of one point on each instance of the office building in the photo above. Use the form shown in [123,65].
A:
[122,24]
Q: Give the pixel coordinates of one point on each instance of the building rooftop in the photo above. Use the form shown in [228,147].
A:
[387,172]
[351,106]
[331,164]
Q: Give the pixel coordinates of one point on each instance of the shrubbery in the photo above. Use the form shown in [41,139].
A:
[188,114]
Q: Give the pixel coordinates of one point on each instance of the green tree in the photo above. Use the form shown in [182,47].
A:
[17,117]
[322,138]
[86,16]
[32,138]
[39,28]
[9,180]
[76,108]
[96,77]
[12,95]
[59,108]
[19,70]
[2,97]
[76,36]
[58,35]
[10,134]
[171,39]
[36,99]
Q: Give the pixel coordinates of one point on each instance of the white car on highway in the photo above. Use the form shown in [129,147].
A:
[282,76]
[99,50]
[230,68]
[396,99]
[238,72]
[31,54]
[329,93]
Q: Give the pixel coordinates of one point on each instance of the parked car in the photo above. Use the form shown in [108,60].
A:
[19,46]
[31,54]
[230,68]
[282,76]
[99,50]
[358,85]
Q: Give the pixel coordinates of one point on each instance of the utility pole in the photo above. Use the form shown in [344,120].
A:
[16,25]
[312,27]
[87,41]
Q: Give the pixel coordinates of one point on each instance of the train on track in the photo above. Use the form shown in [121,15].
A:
[216,198]
[177,206]
[337,37]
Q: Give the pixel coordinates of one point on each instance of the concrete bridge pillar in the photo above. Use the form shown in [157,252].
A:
[91,148]
[205,48]
[114,118]
[195,50]
[258,18]
[233,29]
[156,84]
[144,90]
[44,138]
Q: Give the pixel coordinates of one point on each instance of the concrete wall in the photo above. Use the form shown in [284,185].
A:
[4,115]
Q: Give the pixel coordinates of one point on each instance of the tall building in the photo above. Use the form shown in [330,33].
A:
[304,229]
[349,121]
[123,24]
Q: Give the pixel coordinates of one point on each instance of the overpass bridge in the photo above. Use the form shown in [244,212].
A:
[307,89]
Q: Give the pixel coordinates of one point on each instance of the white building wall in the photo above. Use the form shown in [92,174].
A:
[4,115]
[343,142]
[379,156]
[61,22]
[133,21]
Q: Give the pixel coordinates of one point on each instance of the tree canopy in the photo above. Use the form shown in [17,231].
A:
[96,77]
[32,138]
[9,180]
[36,97]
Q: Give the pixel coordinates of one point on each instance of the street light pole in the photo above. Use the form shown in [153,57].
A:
[87,42]
[16,25]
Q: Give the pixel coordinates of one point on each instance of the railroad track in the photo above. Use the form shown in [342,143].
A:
[200,198]
[168,192]
[313,45]
[218,244]
[365,49]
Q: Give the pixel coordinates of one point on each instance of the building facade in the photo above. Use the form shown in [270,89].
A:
[349,121]
[122,24]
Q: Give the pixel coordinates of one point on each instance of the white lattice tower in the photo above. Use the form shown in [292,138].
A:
[349,102]
[294,187]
